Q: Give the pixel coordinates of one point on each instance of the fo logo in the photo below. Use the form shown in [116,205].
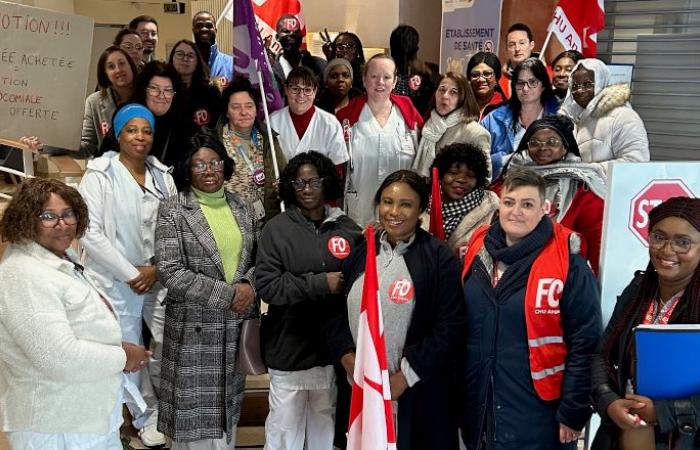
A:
[339,247]
[401,291]
[548,289]
[654,193]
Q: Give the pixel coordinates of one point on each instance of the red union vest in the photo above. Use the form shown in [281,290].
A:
[545,286]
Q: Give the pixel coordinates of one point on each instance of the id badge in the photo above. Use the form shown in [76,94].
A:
[258,210]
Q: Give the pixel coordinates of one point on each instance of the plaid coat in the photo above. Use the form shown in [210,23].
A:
[200,391]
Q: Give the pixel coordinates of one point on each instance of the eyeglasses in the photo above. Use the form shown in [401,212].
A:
[586,85]
[531,83]
[345,46]
[679,245]
[486,75]
[184,56]
[535,144]
[216,165]
[295,90]
[313,183]
[130,46]
[50,220]
[155,91]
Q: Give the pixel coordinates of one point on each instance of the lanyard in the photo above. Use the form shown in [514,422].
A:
[256,171]
[661,316]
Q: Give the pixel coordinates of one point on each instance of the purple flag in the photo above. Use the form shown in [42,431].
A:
[249,53]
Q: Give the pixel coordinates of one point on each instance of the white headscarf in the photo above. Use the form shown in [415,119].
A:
[602,79]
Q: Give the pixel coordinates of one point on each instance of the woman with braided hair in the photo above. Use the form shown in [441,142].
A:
[668,292]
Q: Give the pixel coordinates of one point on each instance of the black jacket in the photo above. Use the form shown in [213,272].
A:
[681,416]
[290,275]
[427,411]
[498,393]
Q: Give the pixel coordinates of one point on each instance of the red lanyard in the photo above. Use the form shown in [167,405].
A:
[661,316]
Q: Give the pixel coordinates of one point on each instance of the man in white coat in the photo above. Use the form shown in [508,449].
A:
[303,127]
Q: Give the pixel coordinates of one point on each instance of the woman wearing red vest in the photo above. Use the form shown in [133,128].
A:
[667,293]
[533,309]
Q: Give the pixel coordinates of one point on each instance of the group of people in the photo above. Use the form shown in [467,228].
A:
[192,211]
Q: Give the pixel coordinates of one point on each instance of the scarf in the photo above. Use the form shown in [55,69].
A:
[432,132]
[453,212]
[495,243]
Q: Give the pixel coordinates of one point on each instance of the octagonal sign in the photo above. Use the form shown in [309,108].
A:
[651,195]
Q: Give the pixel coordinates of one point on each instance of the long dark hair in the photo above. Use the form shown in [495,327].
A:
[538,69]
[491,60]
[102,78]
[685,208]
[201,72]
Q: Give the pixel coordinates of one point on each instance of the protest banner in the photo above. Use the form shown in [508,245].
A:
[43,74]
[468,26]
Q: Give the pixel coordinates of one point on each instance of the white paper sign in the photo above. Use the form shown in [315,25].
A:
[621,73]
[44,61]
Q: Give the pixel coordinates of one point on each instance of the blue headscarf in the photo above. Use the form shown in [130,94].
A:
[131,111]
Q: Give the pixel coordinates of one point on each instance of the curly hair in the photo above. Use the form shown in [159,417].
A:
[415,181]
[19,222]
[188,148]
[240,84]
[332,187]
[464,154]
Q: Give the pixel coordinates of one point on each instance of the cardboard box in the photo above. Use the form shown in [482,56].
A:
[64,168]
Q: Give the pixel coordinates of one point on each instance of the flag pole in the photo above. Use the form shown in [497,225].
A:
[223,12]
[270,138]
[544,47]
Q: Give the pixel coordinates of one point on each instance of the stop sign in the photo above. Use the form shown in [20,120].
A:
[650,196]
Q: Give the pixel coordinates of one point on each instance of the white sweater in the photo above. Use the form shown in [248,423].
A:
[60,346]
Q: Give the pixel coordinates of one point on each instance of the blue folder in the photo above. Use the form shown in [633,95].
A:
[667,361]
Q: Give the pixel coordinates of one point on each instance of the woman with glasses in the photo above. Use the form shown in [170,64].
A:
[668,292]
[123,190]
[300,286]
[62,353]
[381,131]
[607,128]
[575,189]
[348,46]
[562,66]
[205,244]
[484,73]
[533,100]
[248,144]
[301,126]
[130,42]
[200,102]
[453,119]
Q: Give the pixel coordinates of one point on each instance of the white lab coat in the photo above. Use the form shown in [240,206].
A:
[324,135]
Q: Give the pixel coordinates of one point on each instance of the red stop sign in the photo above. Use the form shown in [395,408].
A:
[651,195]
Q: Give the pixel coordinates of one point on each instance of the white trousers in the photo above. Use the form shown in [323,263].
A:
[27,440]
[297,416]
[207,444]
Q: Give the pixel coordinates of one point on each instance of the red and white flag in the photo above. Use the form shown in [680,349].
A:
[437,225]
[576,24]
[269,11]
[371,415]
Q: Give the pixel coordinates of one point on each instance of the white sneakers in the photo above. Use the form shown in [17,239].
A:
[149,434]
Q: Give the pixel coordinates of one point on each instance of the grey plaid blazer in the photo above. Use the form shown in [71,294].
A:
[200,392]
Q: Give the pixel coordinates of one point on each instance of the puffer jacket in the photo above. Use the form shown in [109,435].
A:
[609,130]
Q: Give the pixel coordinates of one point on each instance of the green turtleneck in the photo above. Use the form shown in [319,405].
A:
[227,234]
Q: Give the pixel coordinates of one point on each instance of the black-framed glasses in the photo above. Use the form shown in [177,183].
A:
[536,144]
[313,183]
[306,90]
[179,54]
[345,46]
[216,165]
[679,245]
[586,85]
[130,46]
[156,91]
[532,83]
[486,75]
[50,220]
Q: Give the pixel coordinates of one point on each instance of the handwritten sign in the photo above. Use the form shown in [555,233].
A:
[44,61]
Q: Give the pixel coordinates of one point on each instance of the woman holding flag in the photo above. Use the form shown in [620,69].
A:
[422,312]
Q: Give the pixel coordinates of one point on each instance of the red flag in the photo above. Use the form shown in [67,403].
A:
[576,24]
[371,418]
[437,227]
[269,11]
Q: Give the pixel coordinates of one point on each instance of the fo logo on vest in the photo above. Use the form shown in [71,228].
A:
[339,247]
[551,290]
